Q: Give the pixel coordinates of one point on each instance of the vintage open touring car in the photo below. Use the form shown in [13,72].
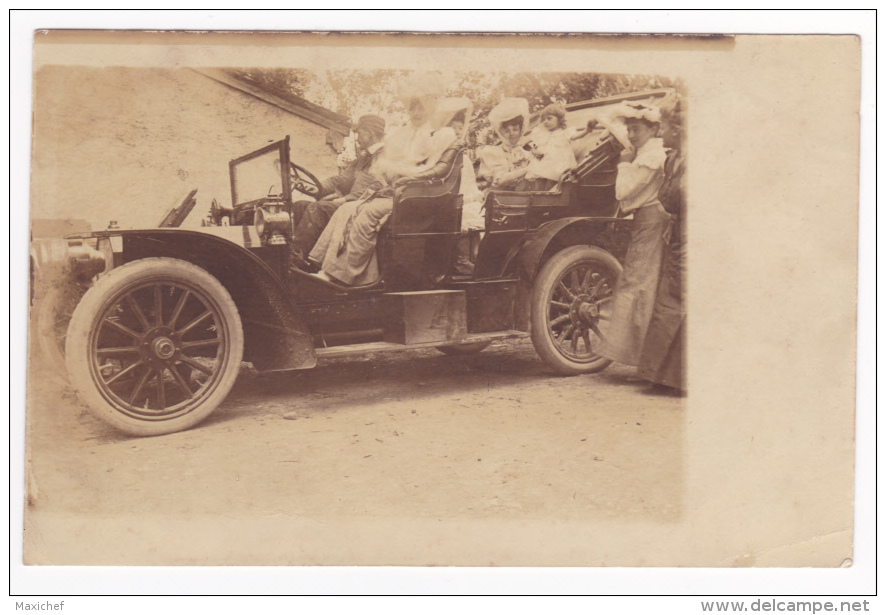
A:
[156,341]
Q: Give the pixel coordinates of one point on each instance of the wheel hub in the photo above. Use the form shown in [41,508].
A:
[583,312]
[588,312]
[163,348]
[160,344]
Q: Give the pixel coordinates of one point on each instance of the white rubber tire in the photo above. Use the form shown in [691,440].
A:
[543,289]
[109,290]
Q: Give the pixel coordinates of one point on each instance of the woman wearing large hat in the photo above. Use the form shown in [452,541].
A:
[503,166]
[640,175]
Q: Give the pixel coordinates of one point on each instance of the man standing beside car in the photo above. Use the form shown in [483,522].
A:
[358,177]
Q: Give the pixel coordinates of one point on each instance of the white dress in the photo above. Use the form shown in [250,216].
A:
[405,149]
[501,162]
[471,212]
[556,150]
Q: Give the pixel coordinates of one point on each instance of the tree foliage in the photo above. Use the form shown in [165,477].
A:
[355,92]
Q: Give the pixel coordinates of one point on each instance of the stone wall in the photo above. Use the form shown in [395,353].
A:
[127,144]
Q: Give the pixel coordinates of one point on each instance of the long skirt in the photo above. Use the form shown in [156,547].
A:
[346,248]
[663,351]
[314,218]
[634,295]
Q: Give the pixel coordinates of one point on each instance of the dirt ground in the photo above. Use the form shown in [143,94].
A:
[414,434]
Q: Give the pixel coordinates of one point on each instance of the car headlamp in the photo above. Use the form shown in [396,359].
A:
[272,225]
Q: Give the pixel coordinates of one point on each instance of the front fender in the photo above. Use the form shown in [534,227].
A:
[275,333]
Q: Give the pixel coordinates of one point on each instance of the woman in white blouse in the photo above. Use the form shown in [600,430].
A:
[640,175]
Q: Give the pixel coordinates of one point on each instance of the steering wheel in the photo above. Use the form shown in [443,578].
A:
[303,180]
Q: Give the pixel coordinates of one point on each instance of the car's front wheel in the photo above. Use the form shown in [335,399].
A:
[154,346]
[570,306]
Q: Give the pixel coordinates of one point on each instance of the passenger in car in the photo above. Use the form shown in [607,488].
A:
[360,175]
[448,132]
[640,175]
[551,147]
[345,251]
[503,166]
[456,113]
[411,146]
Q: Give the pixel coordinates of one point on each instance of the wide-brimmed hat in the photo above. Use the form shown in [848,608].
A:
[638,111]
[509,109]
[448,108]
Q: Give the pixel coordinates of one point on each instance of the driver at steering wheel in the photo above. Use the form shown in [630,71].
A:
[360,175]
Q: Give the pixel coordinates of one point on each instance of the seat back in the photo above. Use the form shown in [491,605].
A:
[430,207]
[595,178]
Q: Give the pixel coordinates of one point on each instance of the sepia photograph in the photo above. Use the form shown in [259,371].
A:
[347,294]
[405,299]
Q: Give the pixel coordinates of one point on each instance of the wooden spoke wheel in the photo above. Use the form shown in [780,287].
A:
[154,346]
[570,308]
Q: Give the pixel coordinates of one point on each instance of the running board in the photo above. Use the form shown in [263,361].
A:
[340,351]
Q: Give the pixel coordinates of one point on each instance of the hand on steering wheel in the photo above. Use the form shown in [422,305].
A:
[303,180]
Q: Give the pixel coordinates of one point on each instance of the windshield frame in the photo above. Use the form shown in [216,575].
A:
[282,147]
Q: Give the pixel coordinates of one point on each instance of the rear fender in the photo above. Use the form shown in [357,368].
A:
[527,258]
[611,234]
[276,337]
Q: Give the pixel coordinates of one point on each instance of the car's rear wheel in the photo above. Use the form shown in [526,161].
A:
[463,349]
[154,346]
[570,306]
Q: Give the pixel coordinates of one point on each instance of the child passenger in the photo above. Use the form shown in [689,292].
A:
[551,147]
